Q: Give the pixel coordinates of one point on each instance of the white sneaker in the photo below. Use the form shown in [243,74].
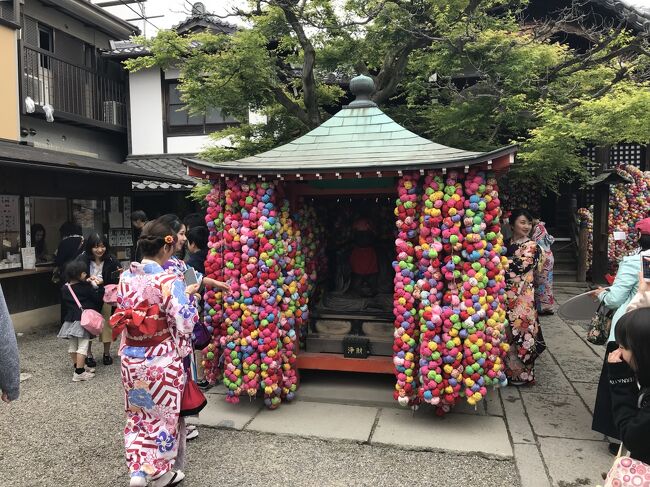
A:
[90,370]
[81,377]
[138,482]
[169,479]
[191,433]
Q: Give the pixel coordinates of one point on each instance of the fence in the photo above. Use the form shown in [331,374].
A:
[71,89]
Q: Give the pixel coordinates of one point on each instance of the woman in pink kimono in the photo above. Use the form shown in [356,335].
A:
[155,315]
[544,275]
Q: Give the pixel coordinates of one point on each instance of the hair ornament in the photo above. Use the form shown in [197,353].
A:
[169,239]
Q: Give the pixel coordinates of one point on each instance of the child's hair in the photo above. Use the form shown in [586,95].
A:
[153,237]
[74,269]
[92,241]
[138,215]
[199,237]
[194,220]
[633,334]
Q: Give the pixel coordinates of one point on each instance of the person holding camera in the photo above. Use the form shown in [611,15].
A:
[618,297]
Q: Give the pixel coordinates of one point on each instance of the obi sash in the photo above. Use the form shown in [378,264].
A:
[144,324]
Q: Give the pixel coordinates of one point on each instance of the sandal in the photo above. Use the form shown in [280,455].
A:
[169,479]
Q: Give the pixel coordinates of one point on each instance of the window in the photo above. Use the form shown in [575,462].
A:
[10,232]
[8,10]
[45,42]
[180,122]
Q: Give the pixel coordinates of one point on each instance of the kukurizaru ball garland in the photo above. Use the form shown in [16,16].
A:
[628,203]
[448,288]
[256,247]
[405,310]
[458,271]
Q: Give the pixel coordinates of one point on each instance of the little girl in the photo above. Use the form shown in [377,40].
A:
[629,382]
[90,298]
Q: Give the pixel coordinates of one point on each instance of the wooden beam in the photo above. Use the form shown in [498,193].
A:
[336,361]
[305,190]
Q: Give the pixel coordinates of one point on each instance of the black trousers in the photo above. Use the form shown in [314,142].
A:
[603,421]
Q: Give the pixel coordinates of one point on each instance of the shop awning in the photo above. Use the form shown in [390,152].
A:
[19,155]
[360,140]
[162,164]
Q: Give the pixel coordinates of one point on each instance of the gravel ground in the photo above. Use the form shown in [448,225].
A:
[62,433]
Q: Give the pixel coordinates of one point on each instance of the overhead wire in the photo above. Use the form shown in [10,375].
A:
[143,17]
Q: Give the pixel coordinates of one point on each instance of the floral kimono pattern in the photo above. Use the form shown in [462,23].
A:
[153,377]
[544,275]
[523,331]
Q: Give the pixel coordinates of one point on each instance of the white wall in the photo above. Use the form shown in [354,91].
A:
[64,137]
[190,144]
[145,93]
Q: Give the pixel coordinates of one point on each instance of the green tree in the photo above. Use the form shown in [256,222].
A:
[466,73]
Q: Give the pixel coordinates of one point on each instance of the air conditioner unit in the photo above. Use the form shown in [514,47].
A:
[114,112]
[38,86]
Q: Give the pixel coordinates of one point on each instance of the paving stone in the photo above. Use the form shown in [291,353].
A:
[373,390]
[530,466]
[310,419]
[575,462]
[220,414]
[549,377]
[493,402]
[456,432]
[562,416]
[516,418]
[217,389]
[588,393]
[464,408]
[579,369]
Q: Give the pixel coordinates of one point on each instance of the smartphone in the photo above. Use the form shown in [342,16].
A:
[646,267]
[190,277]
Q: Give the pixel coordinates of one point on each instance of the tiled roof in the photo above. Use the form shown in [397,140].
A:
[359,137]
[125,49]
[205,22]
[636,12]
[171,165]
[14,154]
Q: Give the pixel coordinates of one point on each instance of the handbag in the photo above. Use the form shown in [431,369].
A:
[110,294]
[200,336]
[192,400]
[627,472]
[91,320]
[600,325]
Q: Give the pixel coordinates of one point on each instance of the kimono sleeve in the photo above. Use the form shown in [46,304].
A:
[180,308]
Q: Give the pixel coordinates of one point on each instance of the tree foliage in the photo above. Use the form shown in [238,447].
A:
[475,74]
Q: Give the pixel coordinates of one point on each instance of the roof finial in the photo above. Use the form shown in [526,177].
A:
[362,87]
[198,9]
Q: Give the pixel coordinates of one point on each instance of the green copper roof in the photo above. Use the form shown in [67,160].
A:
[359,137]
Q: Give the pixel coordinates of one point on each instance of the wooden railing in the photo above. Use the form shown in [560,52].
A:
[74,92]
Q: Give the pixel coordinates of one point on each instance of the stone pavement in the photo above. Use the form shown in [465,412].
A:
[546,428]
[344,429]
